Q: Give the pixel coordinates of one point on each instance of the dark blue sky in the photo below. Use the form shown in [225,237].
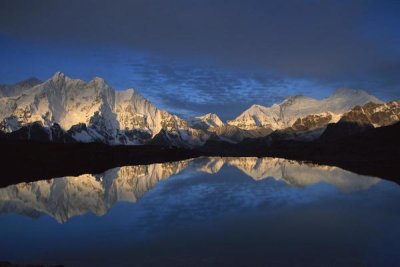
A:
[193,57]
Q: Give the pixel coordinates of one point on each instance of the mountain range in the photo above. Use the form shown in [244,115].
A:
[66,110]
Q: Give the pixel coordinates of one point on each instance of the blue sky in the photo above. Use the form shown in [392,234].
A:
[193,57]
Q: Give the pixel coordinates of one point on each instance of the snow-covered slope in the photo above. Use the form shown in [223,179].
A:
[93,111]
[285,114]
[206,121]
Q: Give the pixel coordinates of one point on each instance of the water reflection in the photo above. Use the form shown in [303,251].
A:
[66,197]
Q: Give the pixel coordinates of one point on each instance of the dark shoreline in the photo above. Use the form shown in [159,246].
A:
[373,152]
[24,161]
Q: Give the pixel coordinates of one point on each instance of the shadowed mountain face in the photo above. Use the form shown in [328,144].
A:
[362,118]
[66,197]
[18,88]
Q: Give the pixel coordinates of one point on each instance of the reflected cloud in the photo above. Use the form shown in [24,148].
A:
[66,197]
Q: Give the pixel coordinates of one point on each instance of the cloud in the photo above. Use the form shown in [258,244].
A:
[231,52]
[296,37]
[189,90]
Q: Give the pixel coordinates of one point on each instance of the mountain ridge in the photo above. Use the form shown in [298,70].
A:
[111,116]
[284,114]
[95,112]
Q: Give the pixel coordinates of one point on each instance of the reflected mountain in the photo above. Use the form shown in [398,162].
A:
[297,173]
[66,197]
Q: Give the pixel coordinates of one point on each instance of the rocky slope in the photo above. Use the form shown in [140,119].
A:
[361,118]
[234,134]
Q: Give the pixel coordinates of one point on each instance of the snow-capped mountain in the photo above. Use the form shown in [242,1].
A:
[93,111]
[207,121]
[62,109]
[285,114]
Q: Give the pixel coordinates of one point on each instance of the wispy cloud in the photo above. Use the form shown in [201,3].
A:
[192,57]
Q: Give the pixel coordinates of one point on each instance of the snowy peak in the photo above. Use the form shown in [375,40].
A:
[58,76]
[284,114]
[212,118]
[109,116]
[58,80]
[345,99]
[206,121]
[94,112]
[255,110]
[257,116]
[350,92]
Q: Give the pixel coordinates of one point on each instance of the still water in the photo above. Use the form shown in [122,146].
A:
[204,212]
